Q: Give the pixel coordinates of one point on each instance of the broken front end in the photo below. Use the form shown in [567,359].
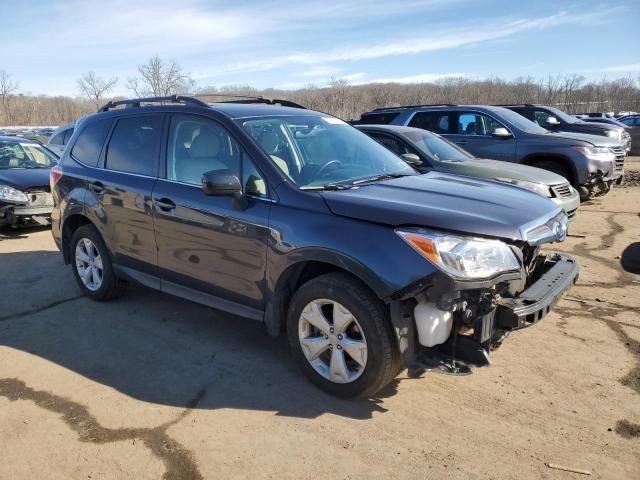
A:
[484,289]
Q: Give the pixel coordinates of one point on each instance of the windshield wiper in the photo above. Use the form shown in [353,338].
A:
[382,176]
[327,187]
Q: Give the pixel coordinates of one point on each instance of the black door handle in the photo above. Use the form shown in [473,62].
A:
[97,187]
[164,204]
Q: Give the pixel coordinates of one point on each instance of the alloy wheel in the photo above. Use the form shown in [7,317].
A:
[89,264]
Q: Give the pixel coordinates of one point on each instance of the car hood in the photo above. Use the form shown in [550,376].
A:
[24,178]
[594,140]
[445,202]
[492,169]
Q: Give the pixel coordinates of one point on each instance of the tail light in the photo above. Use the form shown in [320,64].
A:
[54,175]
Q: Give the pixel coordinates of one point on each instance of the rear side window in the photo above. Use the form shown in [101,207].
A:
[134,145]
[90,141]
[438,122]
[378,118]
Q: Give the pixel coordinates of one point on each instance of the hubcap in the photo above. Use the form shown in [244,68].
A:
[89,264]
[332,341]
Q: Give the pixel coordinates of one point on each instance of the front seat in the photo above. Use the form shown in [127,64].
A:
[203,157]
[472,128]
[269,141]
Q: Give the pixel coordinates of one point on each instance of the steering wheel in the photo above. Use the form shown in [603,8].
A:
[326,166]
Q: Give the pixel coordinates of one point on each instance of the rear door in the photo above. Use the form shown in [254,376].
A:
[121,190]
[473,132]
[209,249]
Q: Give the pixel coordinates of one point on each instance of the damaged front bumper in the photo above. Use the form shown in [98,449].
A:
[480,314]
[24,215]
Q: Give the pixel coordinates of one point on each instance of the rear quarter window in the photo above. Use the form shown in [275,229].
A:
[90,141]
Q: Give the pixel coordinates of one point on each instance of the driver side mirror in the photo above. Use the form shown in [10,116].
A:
[552,122]
[218,183]
[411,158]
[501,132]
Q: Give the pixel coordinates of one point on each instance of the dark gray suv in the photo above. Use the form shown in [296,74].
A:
[299,221]
[591,163]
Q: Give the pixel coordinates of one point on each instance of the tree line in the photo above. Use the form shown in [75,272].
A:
[158,77]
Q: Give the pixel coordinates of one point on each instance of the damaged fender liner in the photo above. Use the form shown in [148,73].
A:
[536,302]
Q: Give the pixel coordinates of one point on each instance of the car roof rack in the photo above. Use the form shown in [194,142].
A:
[136,102]
[518,105]
[246,99]
[416,106]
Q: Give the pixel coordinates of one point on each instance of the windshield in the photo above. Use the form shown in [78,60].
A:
[315,151]
[521,122]
[437,148]
[563,116]
[25,155]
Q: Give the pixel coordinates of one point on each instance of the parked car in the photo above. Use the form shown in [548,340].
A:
[25,197]
[626,136]
[555,120]
[633,122]
[591,163]
[295,219]
[427,151]
[60,137]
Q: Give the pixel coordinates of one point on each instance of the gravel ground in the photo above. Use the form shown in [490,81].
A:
[150,386]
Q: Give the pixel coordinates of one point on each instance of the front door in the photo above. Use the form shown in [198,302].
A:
[474,134]
[208,248]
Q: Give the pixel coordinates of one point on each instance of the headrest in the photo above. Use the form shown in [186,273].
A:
[206,144]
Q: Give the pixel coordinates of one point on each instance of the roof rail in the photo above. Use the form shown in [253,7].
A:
[416,106]
[517,105]
[257,99]
[135,102]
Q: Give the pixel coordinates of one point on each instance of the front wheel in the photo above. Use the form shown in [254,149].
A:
[341,336]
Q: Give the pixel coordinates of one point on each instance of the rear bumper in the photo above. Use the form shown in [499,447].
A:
[536,302]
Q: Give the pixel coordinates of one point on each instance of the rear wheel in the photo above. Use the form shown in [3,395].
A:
[91,265]
[341,336]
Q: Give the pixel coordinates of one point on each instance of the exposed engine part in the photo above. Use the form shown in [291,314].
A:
[433,325]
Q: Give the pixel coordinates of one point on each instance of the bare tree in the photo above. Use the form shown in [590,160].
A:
[7,88]
[160,78]
[95,88]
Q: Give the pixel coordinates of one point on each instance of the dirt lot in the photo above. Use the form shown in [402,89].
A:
[150,386]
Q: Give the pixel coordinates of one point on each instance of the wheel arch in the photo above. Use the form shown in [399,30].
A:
[70,225]
[298,273]
[566,163]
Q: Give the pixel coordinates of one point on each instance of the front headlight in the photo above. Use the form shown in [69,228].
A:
[602,154]
[534,187]
[613,134]
[10,194]
[461,257]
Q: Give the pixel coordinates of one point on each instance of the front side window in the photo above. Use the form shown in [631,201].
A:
[67,136]
[314,151]
[540,117]
[25,155]
[473,123]
[391,143]
[134,145]
[90,141]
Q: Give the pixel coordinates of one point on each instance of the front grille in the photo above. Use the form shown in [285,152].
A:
[619,153]
[562,191]
[572,213]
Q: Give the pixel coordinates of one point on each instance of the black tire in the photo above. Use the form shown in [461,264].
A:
[383,358]
[111,286]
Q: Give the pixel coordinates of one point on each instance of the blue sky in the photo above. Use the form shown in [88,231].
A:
[47,45]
